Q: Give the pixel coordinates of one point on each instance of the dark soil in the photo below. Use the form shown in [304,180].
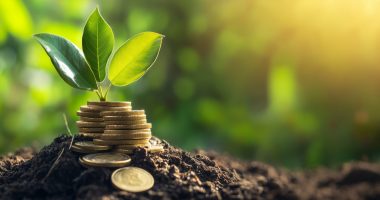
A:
[179,175]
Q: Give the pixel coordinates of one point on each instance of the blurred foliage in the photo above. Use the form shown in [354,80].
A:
[293,83]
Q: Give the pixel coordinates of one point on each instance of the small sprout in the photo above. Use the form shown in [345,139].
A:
[87,70]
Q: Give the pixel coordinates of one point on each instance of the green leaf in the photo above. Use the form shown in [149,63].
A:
[97,44]
[68,60]
[134,58]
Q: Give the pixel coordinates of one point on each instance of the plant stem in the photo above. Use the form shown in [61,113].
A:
[107,90]
[102,94]
[99,92]
[100,89]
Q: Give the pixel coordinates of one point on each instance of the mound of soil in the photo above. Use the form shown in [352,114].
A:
[27,174]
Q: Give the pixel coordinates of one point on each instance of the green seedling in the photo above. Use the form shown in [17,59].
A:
[87,70]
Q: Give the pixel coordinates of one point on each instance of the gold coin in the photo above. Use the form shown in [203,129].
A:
[89,145]
[129,127]
[91,130]
[132,179]
[82,124]
[125,118]
[109,103]
[109,108]
[120,142]
[137,135]
[88,109]
[126,151]
[81,150]
[154,140]
[131,146]
[91,119]
[106,159]
[88,114]
[104,108]
[125,131]
[122,113]
[90,135]
[156,148]
[82,163]
[125,122]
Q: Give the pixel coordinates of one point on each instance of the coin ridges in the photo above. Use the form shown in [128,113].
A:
[83,124]
[137,135]
[129,127]
[91,130]
[120,142]
[110,104]
[88,114]
[82,163]
[126,118]
[88,109]
[122,113]
[126,151]
[91,135]
[125,131]
[89,145]
[91,119]
[131,146]
[126,122]
[94,108]
[81,150]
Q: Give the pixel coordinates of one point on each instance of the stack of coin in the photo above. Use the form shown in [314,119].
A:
[126,130]
[91,123]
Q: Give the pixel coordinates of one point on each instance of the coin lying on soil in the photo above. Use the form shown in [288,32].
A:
[111,159]
[132,179]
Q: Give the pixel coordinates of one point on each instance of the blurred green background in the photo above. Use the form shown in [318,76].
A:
[294,83]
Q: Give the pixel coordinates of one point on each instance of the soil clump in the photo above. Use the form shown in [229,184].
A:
[178,174]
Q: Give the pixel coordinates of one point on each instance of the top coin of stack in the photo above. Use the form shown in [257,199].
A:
[91,123]
[126,130]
